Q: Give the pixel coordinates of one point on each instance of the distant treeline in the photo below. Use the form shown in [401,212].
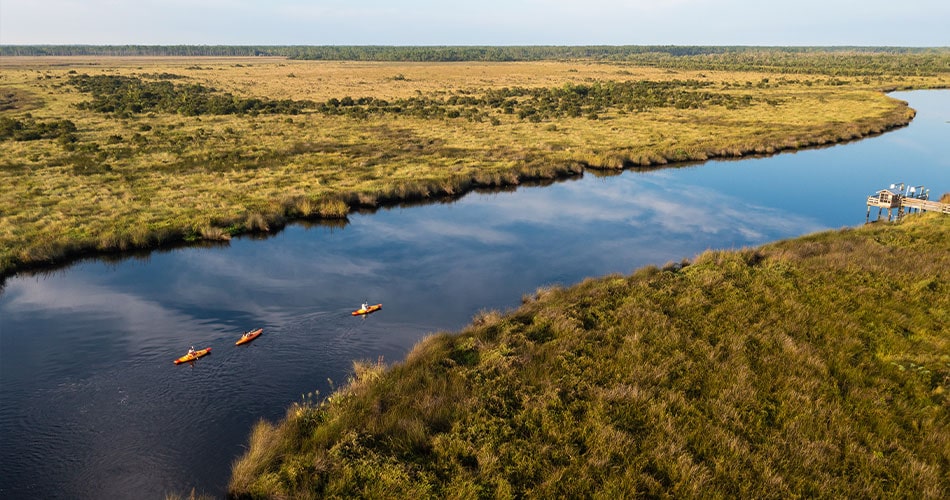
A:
[853,61]
[439,53]
[141,50]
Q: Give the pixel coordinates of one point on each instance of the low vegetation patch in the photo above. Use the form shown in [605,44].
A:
[28,129]
[815,367]
[125,95]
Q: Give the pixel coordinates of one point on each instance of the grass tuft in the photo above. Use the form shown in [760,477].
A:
[213,233]
[333,209]
[255,221]
[193,495]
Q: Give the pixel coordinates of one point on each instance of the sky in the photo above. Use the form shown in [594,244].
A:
[907,23]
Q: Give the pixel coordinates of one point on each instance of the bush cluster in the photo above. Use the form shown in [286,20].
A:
[29,129]
[126,95]
[129,95]
[546,103]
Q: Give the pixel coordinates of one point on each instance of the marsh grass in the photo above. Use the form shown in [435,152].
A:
[128,178]
[192,495]
[813,367]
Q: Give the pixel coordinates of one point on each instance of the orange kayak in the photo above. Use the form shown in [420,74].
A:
[249,336]
[191,357]
[368,310]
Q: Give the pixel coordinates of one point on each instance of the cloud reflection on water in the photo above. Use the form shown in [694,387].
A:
[646,203]
[74,294]
[653,218]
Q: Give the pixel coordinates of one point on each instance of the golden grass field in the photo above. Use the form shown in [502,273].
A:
[153,179]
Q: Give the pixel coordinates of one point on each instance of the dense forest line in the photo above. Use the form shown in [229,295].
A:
[435,52]
[844,60]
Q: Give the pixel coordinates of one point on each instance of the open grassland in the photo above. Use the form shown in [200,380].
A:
[100,154]
[815,367]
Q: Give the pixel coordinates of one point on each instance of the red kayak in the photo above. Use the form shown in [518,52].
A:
[368,310]
[191,357]
[249,336]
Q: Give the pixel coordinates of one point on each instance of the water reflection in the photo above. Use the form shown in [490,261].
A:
[91,405]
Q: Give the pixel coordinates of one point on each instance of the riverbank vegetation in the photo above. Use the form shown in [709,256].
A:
[102,154]
[815,367]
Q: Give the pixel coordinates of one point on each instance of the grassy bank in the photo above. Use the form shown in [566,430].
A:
[815,367]
[103,154]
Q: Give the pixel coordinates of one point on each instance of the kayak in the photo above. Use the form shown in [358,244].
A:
[249,336]
[191,357]
[368,310]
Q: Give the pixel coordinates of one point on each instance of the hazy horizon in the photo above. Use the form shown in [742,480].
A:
[914,23]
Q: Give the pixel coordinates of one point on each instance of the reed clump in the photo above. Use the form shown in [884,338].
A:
[193,495]
[213,233]
[256,221]
[814,367]
[333,209]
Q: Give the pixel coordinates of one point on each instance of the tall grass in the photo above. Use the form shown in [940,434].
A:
[815,367]
[193,495]
[132,179]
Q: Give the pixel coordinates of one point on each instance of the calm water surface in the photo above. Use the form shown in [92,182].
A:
[91,405]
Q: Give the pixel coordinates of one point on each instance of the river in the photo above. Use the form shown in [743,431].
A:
[91,405]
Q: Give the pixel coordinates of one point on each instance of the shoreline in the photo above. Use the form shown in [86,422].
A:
[655,372]
[434,192]
[297,140]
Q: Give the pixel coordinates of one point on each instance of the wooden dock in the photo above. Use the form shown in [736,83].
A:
[924,206]
[906,199]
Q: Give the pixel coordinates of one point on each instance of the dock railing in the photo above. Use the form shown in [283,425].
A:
[906,201]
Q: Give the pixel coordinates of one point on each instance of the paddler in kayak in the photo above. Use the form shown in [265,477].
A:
[192,352]
[365,309]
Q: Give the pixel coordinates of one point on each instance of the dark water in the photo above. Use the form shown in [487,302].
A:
[91,405]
